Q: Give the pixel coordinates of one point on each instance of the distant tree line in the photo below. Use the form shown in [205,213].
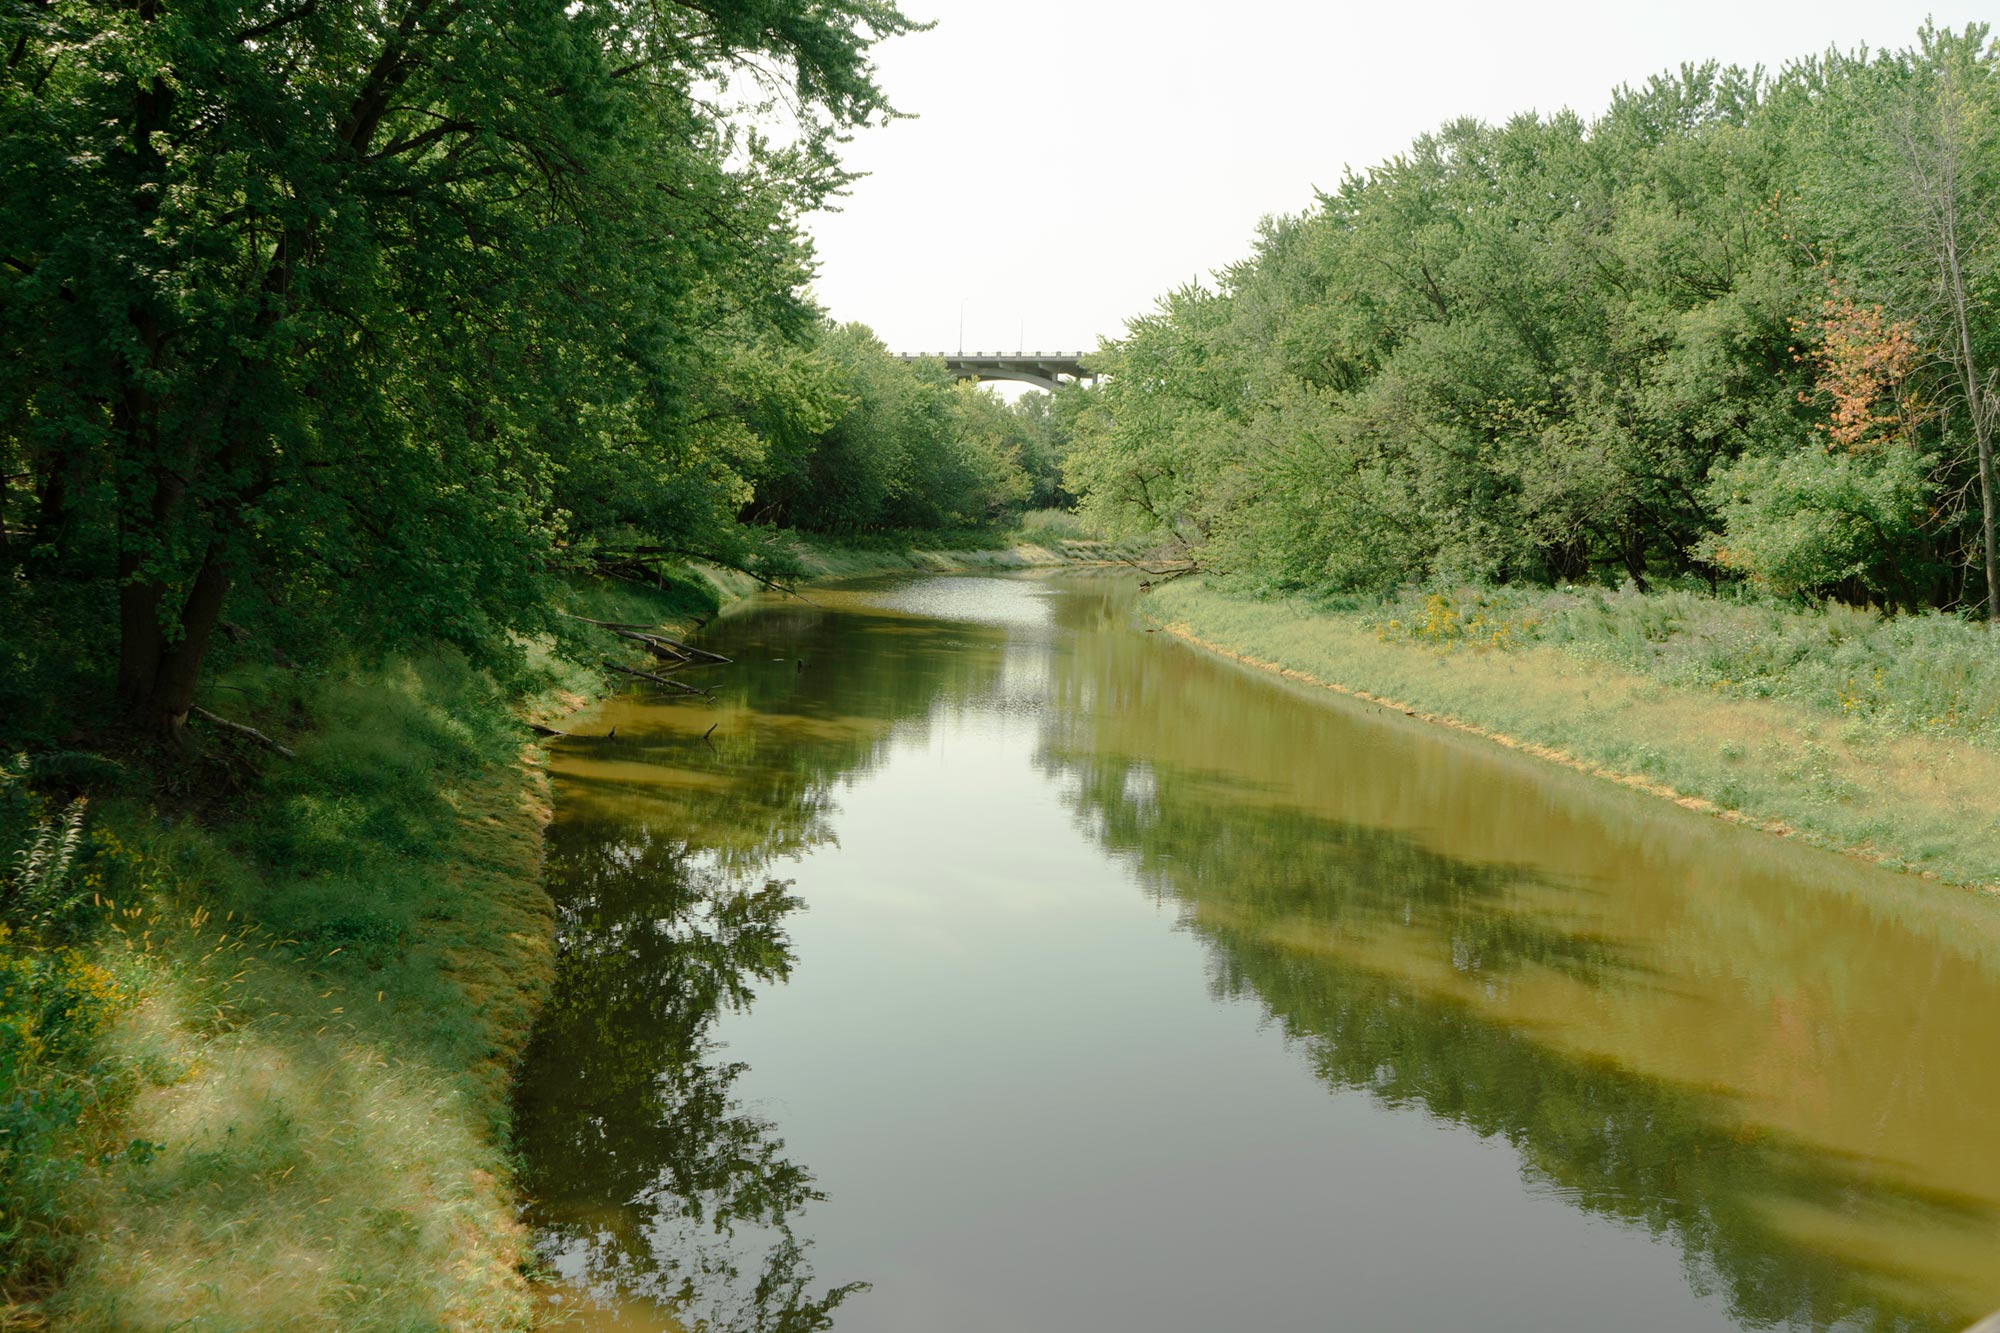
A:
[1738,328]
[899,444]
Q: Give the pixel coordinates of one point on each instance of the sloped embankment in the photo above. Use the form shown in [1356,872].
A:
[1923,801]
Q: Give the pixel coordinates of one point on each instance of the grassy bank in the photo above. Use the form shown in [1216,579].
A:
[1876,737]
[254,1071]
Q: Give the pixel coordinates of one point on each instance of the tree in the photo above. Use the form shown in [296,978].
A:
[1908,144]
[1948,132]
[1553,349]
[331,295]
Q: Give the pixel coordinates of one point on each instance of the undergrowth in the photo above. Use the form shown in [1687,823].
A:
[1928,673]
[258,1013]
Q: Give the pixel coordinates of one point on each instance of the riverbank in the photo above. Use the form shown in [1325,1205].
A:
[1915,793]
[323,996]
[287,1028]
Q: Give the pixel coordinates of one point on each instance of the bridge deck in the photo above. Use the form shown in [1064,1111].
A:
[1046,369]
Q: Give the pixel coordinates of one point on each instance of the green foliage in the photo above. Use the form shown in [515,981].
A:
[52,1007]
[1555,350]
[899,446]
[56,998]
[45,887]
[1056,525]
[1929,674]
[1813,523]
[383,318]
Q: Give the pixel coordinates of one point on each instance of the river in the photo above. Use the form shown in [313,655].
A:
[979,960]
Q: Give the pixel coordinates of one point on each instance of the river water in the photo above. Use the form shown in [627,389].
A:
[995,964]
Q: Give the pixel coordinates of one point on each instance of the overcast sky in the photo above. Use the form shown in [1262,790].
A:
[1071,161]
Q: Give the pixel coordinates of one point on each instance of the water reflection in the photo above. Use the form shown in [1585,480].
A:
[1776,1057]
[652,1186]
[1778,1063]
[649,1179]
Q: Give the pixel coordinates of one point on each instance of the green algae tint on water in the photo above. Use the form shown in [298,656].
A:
[998,965]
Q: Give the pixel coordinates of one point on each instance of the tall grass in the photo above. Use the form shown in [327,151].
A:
[330,981]
[1048,526]
[59,1093]
[256,1030]
[1930,673]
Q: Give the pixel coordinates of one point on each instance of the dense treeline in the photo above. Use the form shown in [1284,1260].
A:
[1736,328]
[364,323]
[901,445]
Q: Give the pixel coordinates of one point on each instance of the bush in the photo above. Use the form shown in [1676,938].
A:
[1810,522]
[1058,525]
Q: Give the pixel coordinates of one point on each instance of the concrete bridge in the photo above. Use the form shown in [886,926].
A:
[1044,370]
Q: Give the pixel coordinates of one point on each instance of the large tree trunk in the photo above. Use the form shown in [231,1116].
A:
[165,709]
[141,639]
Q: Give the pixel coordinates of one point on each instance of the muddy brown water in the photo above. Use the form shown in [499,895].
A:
[998,965]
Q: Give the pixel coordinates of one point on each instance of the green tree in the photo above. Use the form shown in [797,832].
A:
[1558,349]
[321,296]
[1909,149]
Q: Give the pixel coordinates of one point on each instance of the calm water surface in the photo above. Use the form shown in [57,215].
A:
[996,965]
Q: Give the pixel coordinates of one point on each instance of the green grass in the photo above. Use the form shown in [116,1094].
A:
[329,984]
[1930,674]
[259,1077]
[1875,737]
[303,991]
[1057,525]
[1040,537]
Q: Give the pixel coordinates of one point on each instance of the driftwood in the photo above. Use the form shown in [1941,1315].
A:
[660,644]
[690,650]
[654,646]
[657,679]
[242,730]
[673,649]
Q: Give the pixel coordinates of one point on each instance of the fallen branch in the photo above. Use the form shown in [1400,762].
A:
[654,640]
[242,730]
[689,650]
[655,645]
[657,679]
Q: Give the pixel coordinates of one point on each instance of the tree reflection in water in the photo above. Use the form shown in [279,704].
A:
[648,1178]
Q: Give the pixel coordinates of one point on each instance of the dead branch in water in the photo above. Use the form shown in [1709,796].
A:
[656,641]
[657,679]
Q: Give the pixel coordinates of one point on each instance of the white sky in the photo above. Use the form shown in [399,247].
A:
[1071,162]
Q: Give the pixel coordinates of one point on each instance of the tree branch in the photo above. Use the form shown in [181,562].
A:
[269,26]
[242,730]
